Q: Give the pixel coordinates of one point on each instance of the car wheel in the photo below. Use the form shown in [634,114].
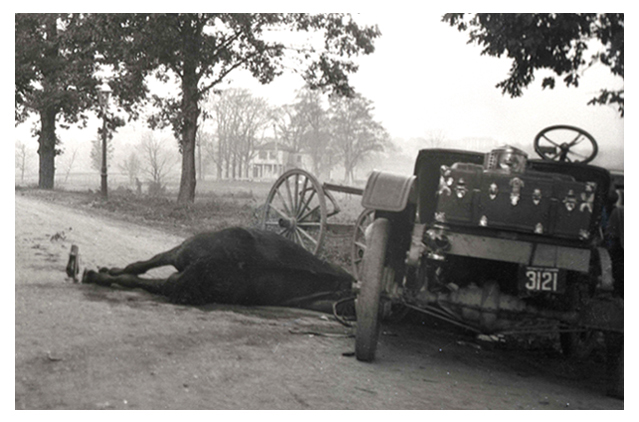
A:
[367,307]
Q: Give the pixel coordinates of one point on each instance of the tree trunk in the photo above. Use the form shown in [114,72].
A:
[46,149]
[220,159]
[190,113]
[349,163]
[187,181]
[316,165]
[199,160]
[233,167]
[23,163]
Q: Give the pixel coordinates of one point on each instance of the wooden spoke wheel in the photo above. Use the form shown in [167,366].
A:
[358,244]
[296,209]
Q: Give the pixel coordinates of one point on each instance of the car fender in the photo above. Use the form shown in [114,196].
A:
[388,192]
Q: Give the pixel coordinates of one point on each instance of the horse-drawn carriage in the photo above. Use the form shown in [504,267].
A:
[494,242]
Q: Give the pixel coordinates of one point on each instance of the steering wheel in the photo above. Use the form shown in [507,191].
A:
[566,143]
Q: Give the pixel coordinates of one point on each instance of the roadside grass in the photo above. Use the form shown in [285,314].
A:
[212,212]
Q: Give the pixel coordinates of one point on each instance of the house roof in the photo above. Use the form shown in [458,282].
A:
[273,146]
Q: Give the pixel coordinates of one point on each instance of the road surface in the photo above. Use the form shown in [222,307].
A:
[89,347]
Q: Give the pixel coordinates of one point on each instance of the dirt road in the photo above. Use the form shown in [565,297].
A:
[88,347]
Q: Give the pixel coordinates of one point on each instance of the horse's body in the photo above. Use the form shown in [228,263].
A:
[235,266]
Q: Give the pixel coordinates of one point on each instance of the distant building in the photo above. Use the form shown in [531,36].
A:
[272,159]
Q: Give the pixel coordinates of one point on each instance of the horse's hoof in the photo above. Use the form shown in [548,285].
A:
[87,276]
[73,266]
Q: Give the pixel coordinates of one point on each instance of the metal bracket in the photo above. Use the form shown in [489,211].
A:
[417,246]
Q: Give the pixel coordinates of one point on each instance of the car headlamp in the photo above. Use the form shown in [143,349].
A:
[507,159]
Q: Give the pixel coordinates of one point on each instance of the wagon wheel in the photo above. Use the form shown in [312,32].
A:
[296,209]
[566,143]
[358,244]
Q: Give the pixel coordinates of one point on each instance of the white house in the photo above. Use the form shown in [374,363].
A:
[273,159]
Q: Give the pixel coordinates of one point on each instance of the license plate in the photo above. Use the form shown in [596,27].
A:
[542,279]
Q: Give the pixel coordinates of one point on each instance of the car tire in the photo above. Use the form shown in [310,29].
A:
[367,307]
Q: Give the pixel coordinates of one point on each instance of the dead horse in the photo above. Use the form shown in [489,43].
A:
[235,266]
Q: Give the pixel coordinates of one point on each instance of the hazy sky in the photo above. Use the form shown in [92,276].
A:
[424,77]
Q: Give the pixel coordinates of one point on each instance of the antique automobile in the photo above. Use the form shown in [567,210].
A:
[497,243]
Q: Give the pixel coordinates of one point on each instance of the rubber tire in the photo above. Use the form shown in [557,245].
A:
[367,306]
[365,219]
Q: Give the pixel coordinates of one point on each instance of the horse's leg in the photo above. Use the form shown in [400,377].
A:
[152,285]
[140,267]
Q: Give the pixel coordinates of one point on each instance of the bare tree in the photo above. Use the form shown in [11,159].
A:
[157,162]
[240,119]
[67,163]
[226,125]
[22,158]
[96,154]
[435,138]
[316,139]
[304,126]
[131,166]
[355,135]
[203,148]
[256,117]
[209,148]
[289,126]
